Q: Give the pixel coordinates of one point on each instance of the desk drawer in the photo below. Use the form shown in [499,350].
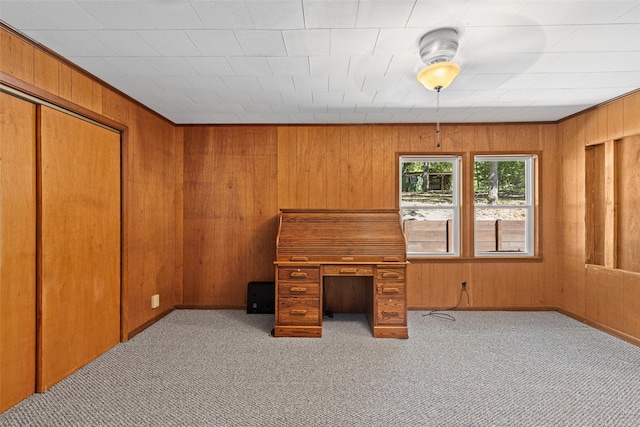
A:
[391,311]
[302,274]
[347,270]
[297,289]
[298,311]
[390,289]
[390,273]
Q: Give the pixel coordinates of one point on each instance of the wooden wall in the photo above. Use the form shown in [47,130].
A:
[230,208]
[237,178]
[599,294]
[151,168]
[153,246]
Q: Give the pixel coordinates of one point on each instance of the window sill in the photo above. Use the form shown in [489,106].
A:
[487,259]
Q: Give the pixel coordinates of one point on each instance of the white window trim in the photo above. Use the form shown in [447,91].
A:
[529,162]
[455,207]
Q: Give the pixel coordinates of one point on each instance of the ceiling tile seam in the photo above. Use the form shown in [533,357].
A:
[376,44]
[253,23]
[304,16]
[186,33]
[235,36]
[195,12]
[286,51]
[406,22]
[614,21]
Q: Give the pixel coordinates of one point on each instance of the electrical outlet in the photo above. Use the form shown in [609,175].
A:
[464,286]
[155,301]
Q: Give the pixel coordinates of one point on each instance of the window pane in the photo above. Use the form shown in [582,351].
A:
[500,230]
[500,182]
[428,230]
[427,183]
[429,204]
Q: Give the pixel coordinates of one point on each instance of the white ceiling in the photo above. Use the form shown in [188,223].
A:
[344,61]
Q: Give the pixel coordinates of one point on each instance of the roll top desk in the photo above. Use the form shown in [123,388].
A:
[313,244]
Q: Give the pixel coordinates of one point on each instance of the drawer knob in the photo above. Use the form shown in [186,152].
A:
[386,290]
[390,275]
[298,312]
[298,290]
[348,271]
[300,274]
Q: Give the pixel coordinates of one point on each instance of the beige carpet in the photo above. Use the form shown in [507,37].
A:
[222,368]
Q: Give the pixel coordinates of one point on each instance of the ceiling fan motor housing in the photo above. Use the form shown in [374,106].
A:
[439,45]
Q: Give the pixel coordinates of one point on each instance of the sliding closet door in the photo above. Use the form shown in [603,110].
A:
[17,250]
[79,244]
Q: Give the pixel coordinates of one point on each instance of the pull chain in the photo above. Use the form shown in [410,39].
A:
[438,117]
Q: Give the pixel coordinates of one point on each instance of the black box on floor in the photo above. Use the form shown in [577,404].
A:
[261,297]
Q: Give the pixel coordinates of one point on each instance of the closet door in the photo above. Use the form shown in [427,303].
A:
[17,250]
[79,244]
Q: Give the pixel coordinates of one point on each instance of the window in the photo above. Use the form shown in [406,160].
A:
[504,205]
[430,204]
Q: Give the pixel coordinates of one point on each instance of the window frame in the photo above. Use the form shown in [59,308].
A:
[456,194]
[531,187]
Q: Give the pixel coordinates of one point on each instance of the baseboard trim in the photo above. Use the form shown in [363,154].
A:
[148,323]
[423,308]
[208,307]
[604,328]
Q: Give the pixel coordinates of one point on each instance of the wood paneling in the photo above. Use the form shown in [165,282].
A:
[230,211]
[179,227]
[81,89]
[601,295]
[610,211]
[595,210]
[571,240]
[626,243]
[345,294]
[631,112]
[604,298]
[354,164]
[46,72]
[79,244]
[65,81]
[150,191]
[352,167]
[16,57]
[615,119]
[17,250]
[631,304]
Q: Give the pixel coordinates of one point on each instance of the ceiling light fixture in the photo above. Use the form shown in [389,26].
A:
[437,48]
[439,75]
